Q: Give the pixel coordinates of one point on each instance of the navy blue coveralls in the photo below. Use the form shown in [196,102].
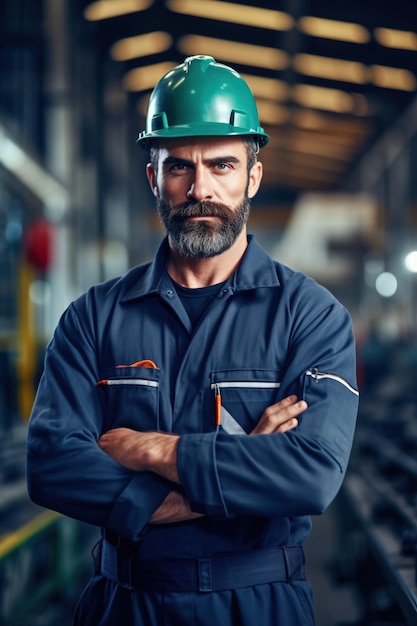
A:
[269,332]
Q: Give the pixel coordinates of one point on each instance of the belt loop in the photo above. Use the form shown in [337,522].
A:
[287,566]
[116,565]
[96,554]
[204,575]
[124,567]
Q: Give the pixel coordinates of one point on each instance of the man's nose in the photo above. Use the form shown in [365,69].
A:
[200,188]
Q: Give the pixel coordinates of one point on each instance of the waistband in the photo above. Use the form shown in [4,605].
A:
[216,573]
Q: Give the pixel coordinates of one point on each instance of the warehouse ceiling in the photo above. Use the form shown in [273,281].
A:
[329,77]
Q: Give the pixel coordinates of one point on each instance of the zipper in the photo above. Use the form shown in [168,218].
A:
[142,382]
[237,384]
[316,376]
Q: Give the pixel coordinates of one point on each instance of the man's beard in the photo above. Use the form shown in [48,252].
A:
[200,239]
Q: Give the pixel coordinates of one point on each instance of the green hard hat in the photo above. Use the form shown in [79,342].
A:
[201,97]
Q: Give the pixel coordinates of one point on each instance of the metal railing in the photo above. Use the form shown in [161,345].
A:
[43,564]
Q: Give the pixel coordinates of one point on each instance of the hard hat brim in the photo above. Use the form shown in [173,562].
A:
[204,130]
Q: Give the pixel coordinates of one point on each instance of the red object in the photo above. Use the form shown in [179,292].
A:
[39,242]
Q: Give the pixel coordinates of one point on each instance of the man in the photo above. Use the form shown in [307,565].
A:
[202,407]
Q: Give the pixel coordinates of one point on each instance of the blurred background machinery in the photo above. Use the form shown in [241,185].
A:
[336,85]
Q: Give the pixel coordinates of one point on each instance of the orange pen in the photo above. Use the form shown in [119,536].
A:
[218,399]
[144,363]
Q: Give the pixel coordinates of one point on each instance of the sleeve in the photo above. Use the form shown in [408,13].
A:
[294,473]
[66,470]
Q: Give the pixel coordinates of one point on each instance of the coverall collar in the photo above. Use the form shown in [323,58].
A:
[255,270]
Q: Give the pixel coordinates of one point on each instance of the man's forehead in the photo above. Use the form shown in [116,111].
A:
[220,145]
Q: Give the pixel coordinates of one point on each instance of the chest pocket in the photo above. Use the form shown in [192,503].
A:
[245,394]
[131,397]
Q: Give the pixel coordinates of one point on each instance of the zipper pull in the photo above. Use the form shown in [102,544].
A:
[314,373]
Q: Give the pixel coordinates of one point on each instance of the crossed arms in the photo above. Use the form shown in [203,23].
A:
[157,452]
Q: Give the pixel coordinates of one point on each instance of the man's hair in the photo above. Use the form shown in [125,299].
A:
[252,146]
[251,142]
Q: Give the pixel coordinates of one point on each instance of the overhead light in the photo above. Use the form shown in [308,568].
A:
[334,29]
[386,284]
[272,113]
[332,69]
[343,129]
[310,120]
[143,78]
[307,143]
[235,52]
[393,78]
[410,261]
[235,13]
[399,39]
[323,98]
[106,9]
[353,72]
[140,46]
[268,88]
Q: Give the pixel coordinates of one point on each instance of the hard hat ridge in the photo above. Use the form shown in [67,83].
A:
[201,97]
[203,62]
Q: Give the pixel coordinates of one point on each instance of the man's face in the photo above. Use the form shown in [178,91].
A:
[203,192]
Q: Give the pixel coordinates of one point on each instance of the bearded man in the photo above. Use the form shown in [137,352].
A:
[202,407]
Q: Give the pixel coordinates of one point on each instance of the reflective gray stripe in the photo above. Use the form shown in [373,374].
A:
[245,384]
[132,381]
[230,425]
[320,375]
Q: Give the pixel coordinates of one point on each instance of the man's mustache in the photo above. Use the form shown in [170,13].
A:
[200,209]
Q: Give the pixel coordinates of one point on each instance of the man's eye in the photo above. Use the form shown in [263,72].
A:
[178,167]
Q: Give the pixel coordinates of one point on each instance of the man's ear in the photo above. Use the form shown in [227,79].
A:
[150,173]
[255,177]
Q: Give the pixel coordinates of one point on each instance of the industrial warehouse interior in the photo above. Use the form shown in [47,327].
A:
[336,89]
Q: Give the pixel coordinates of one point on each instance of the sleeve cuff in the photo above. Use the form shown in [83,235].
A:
[136,504]
[197,469]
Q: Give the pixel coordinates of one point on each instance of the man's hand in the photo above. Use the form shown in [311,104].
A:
[280,417]
[155,452]
[175,508]
[143,452]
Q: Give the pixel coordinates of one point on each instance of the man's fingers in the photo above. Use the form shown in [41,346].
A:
[281,416]
[292,423]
